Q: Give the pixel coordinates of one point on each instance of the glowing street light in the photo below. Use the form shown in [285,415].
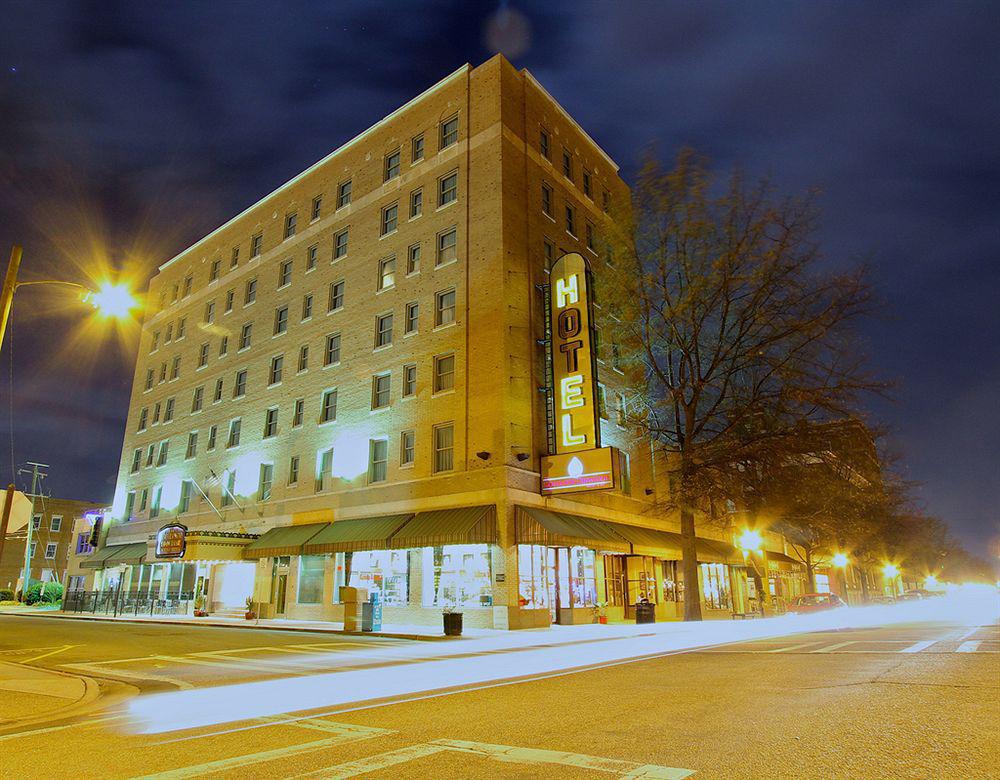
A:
[840,560]
[111,300]
[930,581]
[750,541]
[891,571]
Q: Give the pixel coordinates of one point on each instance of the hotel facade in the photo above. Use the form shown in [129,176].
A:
[349,384]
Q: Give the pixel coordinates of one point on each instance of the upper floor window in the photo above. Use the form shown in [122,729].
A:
[234,259]
[383,330]
[203,355]
[391,166]
[234,433]
[381,384]
[589,236]
[412,315]
[303,364]
[210,312]
[416,203]
[270,423]
[378,459]
[444,447]
[187,286]
[448,189]
[245,336]
[256,245]
[546,200]
[444,373]
[444,307]
[240,385]
[344,194]
[312,255]
[413,259]
[570,220]
[277,369]
[331,354]
[307,307]
[336,301]
[281,320]
[386,273]
[291,221]
[586,184]
[230,298]
[328,407]
[213,274]
[250,293]
[409,380]
[543,143]
[285,274]
[449,132]
[447,247]
[317,208]
[567,164]
[390,219]
[340,244]
[417,148]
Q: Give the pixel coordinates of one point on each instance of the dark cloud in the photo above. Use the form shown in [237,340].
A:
[140,127]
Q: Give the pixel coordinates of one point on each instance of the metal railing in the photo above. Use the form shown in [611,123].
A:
[120,602]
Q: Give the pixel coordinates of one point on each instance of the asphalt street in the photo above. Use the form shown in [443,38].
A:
[916,700]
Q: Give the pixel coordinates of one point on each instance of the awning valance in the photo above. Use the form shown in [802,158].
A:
[716,551]
[370,533]
[541,526]
[116,555]
[285,540]
[783,562]
[98,559]
[650,541]
[466,525]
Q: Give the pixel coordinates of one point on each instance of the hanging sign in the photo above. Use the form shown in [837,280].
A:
[171,541]
[573,472]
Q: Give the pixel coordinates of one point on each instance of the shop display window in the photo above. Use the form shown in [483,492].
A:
[384,571]
[457,575]
[310,584]
[715,585]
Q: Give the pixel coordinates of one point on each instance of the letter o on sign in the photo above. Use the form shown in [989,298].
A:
[568,323]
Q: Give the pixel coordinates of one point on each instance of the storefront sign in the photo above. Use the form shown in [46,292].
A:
[171,541]
[576,422]
[578,471]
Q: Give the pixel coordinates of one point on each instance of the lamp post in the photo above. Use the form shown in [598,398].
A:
[751,543]
[840,561]
[890,571]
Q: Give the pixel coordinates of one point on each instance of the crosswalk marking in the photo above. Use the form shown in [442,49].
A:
[969,647]
[790,648]
[916,648]
[831,648]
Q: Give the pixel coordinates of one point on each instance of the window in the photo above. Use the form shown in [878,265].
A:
[277,369]
[293,470]
[413,259]
[213,274]
[185,501]
[55,523]
[271,423]
[303,358]
[331,355]
[383,330]
[192,445]
[616,357]
[307,307]
[444,373]
[136,460]
[602,402]
[586,184]
[567,165]
[210,312]
[228,487]
[380,390]
[223,346]
[197,399]
[336,301]
[447,247]
[168,410]
[621,411]
[154,507]
[412,315]
[570,220]
[285,274]
[187,286]
[328,407]
[218,391]
[407,444]
[36,522]
[212,433]
[625,470]
[324,468]
[391,166]
[416,203]
[409,380]
[175,293]
[449,132]
[175,367]
[256,245]
[340,245]
[606,201]
[34,546]
[150,454]
[298,413]
[588,232]
[390,216]
[83,540]
[169,334]
[240,385]
[546,200]
[310,585]
[317,208]
[161,457]
[386,273]
[417,148]
[203,355]
[548,252]
[230,299]
[156,413]
[155,343]
[448,189]
[444,445]
[245,335]
[543,143]
[143,415]
[234,432]
[290,222]
[250,294]
[235,258]
[281,320]
[181,324]
[312,255]
[378,460]
[444,308]
[149,379]
[344,194]
[50,549]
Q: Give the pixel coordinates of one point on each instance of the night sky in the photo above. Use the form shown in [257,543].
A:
[129,130]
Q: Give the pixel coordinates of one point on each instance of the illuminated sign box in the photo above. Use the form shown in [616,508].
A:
[574,472]
[171,541]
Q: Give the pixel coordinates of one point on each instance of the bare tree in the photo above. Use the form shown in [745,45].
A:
[729,334]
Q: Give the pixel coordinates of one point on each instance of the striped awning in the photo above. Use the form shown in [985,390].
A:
[285,540]
[99,558]
[783,562]
[466,525]
[116,555]
[651,541]
[370,533]
[541,526]
[716,551]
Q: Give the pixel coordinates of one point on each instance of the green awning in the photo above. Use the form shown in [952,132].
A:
[467,525]
[715,551]
[650,541]
[784,562]
[285,540]
[540,526]
[127,554]
[370,533]
[98,559]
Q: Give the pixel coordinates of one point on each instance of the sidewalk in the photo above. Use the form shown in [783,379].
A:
[29,694]
[392,631]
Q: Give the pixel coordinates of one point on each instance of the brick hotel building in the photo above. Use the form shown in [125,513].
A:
[345,384]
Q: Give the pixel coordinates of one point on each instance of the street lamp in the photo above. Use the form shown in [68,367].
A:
[110,299]
[890,571]
[840,560]
[750,541]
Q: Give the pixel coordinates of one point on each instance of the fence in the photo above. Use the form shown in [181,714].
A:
[121,602]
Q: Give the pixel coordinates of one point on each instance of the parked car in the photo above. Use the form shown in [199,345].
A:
[815,602]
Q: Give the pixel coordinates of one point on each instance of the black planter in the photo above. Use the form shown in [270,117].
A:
[453,624]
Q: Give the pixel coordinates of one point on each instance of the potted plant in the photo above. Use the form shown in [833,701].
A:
[452,621]
[602,612]
[199,606]
[250,613]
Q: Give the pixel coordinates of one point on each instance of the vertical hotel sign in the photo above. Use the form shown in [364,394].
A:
[579,462]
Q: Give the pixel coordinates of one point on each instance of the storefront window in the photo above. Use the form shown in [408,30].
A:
[673,581]
[614,579]
[457,575]
[583,583]
[533,576]
[310,586]
[383,571]
[339,575]
[715,585]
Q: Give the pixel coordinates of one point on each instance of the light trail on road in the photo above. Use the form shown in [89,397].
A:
[520,657]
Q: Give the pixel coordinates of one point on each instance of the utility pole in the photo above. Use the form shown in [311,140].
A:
[9,285]
[36,477]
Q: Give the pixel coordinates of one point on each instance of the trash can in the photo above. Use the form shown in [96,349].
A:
[452,624]
[645,612]
[371,613]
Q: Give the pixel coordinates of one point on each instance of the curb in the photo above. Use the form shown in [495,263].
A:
[91,693]
[250,625]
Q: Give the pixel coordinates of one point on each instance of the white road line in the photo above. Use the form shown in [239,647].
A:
[46,655]
[231,663]
[790,648]
[916,648]
[831,648]
[363,766]
[83,724]
[969,647]
[98,670]
[966,634]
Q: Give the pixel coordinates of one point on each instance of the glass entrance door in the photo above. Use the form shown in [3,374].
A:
[280,589]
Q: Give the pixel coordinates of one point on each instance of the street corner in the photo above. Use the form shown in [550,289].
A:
[31,695]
